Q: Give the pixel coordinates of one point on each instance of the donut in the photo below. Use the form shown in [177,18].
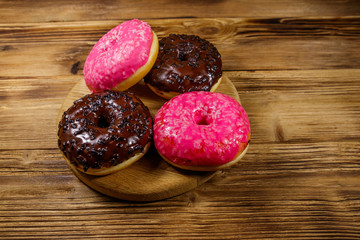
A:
[185,63]
[201,131]
[104,132]
[122,57]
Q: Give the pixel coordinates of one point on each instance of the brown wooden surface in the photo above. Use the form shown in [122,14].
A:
[296,66]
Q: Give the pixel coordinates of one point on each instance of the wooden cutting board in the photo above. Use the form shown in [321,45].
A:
[150,178]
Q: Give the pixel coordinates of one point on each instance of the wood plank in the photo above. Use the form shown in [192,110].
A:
[283,106]
[280,190]
[301,106]
[29,109]
[267,159]
[52,49]
[66,10]
[296,67]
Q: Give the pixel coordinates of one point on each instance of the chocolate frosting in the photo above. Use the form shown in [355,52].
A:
[104,129]
[185,63]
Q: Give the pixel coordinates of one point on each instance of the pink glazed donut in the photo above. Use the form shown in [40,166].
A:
[202,131]
[122,57]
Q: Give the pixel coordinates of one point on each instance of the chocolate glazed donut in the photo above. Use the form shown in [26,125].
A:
[185,63]
[102,130]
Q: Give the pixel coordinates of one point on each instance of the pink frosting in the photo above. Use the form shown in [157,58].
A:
[201,128]
[118,54]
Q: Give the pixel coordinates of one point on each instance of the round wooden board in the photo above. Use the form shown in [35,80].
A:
[150,178]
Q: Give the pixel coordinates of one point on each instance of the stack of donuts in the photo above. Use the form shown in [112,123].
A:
[111,128]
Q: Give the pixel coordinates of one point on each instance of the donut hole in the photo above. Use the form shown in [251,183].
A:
[103,122]
[201,117]
[182,56]
[203,121]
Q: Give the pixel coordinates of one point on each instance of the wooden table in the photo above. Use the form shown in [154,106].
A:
[296,66]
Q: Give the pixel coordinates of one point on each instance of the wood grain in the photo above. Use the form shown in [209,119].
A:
[262,195]
[58,49]
[65,11]
[295,65]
